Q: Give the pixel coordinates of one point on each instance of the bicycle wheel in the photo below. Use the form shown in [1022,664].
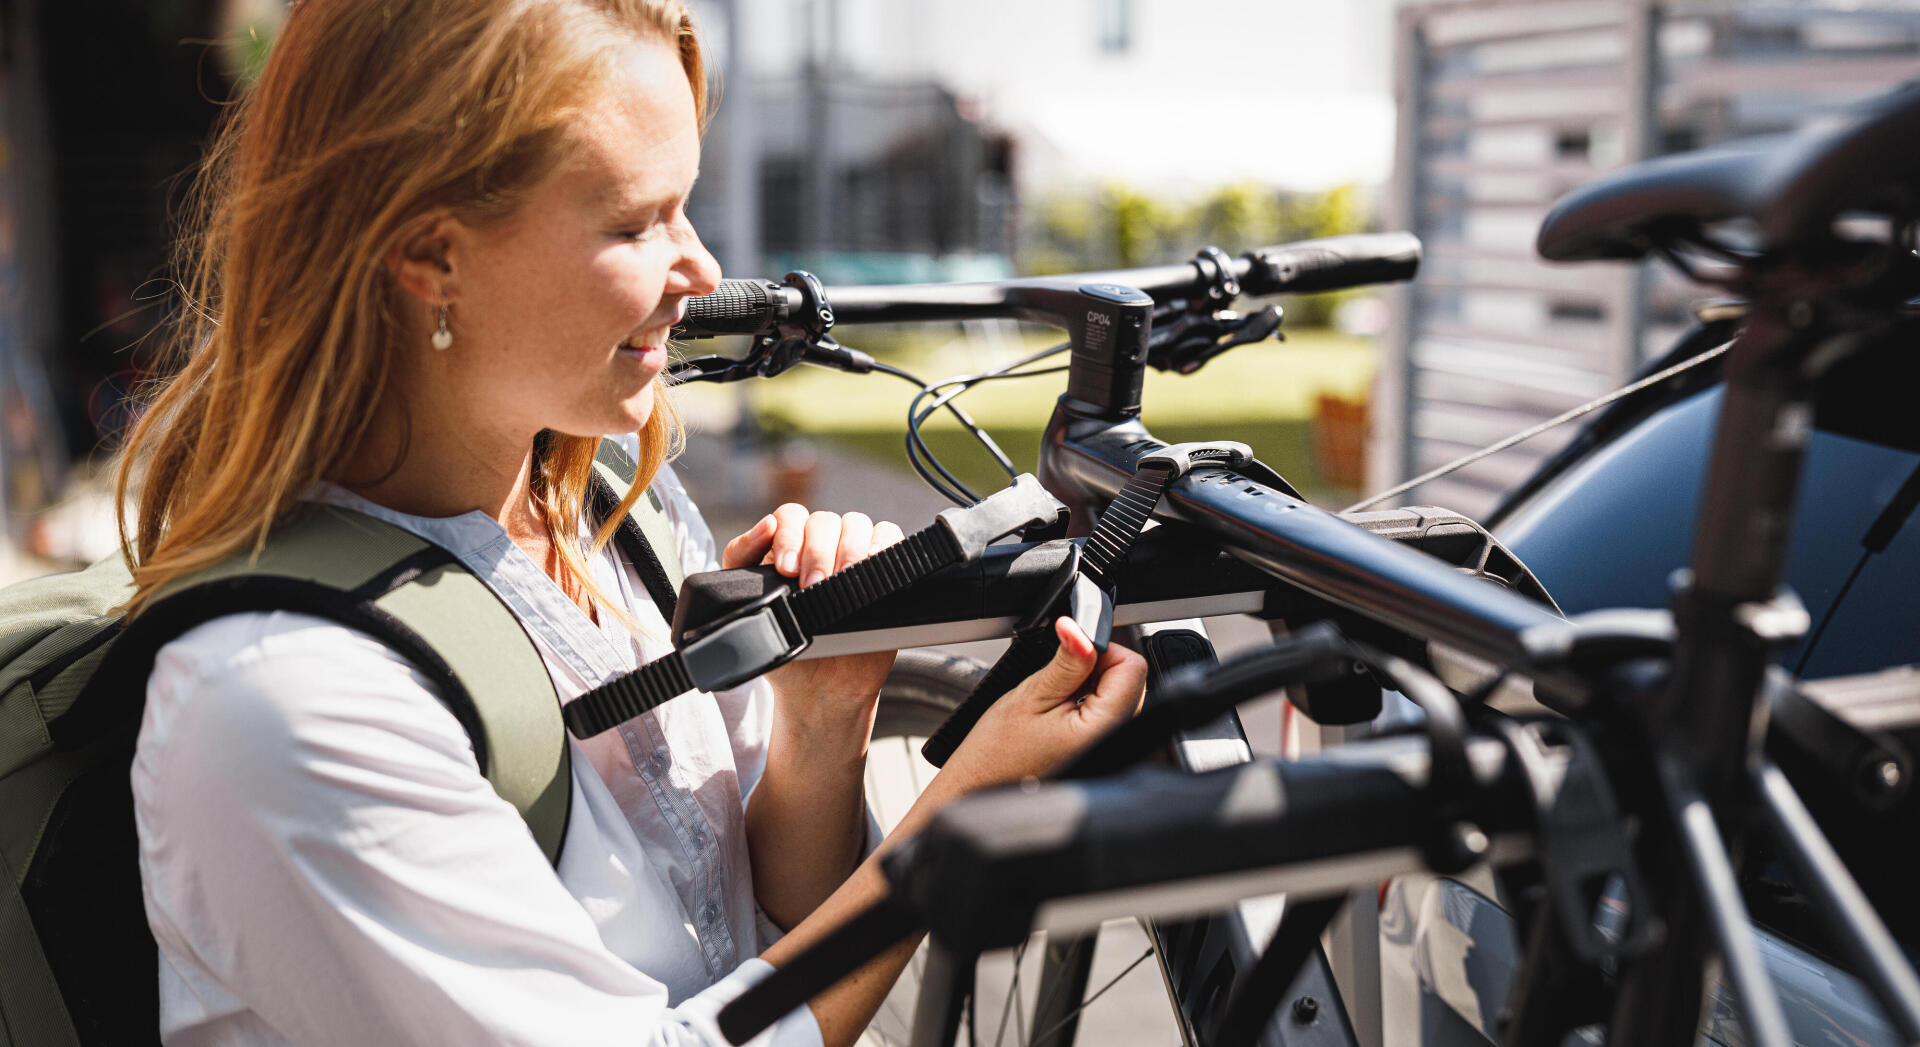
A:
[924,687]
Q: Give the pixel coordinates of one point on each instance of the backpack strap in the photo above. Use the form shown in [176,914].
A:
[409,594]
[644,535]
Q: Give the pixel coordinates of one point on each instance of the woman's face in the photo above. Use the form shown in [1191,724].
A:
[561,312]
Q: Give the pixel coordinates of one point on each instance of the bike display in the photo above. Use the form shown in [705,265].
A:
[1615,827]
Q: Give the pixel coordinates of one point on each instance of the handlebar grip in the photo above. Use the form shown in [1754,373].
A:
[735,307]
[1031,649]
[1333,263]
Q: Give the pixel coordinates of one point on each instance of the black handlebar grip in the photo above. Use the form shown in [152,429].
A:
[1031,649]
[735,307]
[1334,263]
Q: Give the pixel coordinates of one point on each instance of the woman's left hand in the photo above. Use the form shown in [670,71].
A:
[827,693]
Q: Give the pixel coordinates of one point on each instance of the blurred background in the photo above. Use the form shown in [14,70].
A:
[910,140]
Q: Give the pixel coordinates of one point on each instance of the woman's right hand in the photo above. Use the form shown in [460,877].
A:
[1052,715]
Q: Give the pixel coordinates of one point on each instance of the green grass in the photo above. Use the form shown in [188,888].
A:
[1262,395]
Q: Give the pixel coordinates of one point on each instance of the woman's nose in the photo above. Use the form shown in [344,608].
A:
[698,270]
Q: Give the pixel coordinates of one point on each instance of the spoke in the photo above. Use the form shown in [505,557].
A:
[1040,1007]
[908,748]
[1019,1006]
[1006,1006]
[1097,993]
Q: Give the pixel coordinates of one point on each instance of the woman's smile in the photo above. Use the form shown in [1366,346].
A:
[652,357]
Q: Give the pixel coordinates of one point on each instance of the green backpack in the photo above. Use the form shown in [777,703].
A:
[79,961]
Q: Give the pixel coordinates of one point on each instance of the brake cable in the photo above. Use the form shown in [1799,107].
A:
[1529,433]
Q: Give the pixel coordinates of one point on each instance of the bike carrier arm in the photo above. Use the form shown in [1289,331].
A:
[1066,855]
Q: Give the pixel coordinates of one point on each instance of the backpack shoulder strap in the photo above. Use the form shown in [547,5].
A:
[411,595]
[644,536]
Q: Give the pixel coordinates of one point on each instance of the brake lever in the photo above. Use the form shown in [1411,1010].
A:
[1196,338]
[803,336]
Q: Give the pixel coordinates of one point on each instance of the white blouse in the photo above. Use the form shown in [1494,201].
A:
[322,861]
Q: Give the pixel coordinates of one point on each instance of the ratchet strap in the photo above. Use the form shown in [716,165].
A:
[1084,588]
[770,631]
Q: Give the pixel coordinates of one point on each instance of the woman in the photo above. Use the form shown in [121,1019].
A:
[439,251]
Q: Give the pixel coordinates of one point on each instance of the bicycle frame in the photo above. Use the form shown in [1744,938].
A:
[1693,730]
[1090,449]
[1727,621]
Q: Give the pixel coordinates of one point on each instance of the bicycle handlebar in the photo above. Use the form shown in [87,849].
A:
[738,307]
[1329,264]
[1310,265]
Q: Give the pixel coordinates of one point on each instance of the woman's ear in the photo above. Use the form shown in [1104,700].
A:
[422,259]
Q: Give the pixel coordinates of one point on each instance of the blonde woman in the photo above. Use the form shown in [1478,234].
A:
[436,257]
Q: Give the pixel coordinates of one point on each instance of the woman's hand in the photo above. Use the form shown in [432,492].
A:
[829,693]
[1052,715]
[806,821]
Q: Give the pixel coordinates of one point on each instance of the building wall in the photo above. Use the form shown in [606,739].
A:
[1506,104]
[1160,95]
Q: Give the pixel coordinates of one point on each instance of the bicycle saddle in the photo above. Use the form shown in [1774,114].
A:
[1791,186]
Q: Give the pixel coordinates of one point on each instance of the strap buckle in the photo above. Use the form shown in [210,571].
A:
[1072,592]
[748,640]
[1177,459]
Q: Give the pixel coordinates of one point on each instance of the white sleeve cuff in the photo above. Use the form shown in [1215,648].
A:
[702,1011]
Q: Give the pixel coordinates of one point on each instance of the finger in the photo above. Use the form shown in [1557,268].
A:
[856,539]
[1059,679]
[751,545]
[821,547]
[790,531]
[1120,684]
[885,533]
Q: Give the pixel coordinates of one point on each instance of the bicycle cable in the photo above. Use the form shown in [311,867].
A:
[921,456]
[916,442]
[959,494]
[1529,433]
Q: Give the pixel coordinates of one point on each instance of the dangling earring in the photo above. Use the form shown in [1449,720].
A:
[443,338]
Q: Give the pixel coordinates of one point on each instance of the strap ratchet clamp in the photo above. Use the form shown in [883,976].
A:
[1083,587]
[771,630]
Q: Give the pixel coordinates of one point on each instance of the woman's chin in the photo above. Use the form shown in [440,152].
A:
[638,408]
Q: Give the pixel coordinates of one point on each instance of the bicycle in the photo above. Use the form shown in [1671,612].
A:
[1549,803]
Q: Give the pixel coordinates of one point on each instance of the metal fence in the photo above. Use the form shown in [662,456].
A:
[1506,104]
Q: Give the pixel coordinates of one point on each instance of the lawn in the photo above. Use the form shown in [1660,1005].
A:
[1260,394]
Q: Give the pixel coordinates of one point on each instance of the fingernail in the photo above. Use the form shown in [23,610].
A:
[813,577]
[789,563]
[766,523]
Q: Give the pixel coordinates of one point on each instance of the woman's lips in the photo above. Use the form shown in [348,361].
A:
[654,356]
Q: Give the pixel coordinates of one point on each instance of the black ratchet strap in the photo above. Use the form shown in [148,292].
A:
[1084,588]
[770,631]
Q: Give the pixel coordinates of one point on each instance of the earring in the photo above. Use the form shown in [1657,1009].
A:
[443,338]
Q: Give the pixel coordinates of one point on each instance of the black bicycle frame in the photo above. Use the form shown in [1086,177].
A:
[1685,731]
[1090,450]
[1710,711]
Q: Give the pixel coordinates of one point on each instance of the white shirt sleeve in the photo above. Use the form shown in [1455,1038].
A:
[318,846]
